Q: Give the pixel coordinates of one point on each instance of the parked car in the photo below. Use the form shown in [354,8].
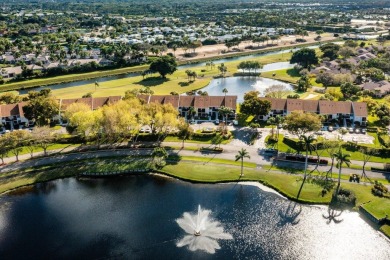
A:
[270,152]
[364,130]
[350,129]
[357,130]
[145,130]
[217,122]
[330,128]
[235,122]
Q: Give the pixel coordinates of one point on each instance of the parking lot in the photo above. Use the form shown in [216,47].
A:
[336,135]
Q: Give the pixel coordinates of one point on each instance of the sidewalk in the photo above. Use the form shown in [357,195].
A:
[229,153]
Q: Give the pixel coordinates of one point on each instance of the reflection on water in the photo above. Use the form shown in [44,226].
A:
[134,218]
[238,86]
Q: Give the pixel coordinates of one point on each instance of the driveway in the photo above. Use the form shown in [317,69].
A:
[242,136]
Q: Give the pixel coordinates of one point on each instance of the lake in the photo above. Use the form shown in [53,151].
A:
[238,86]
[135,218]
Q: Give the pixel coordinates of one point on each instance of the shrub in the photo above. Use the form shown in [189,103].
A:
[379,189]
[344,198]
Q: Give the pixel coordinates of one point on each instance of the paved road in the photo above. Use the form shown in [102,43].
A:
[229,153]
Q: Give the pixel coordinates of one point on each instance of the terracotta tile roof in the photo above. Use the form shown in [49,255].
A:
[202,101]
[217,101]
[173,100]
[277,103]
[64,103]
[360,109]
[157,99]
[93,103]
[332,107]
[310,106]
[192,101]
[143,97]
[187,101]
[295,105]
[230,101]
[12,110]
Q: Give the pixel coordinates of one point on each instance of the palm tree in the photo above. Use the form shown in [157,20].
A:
[225,91]
[240,156]
[341,158]
[308,145]
[276,121]
[192,112]
[96,85]
[225,111]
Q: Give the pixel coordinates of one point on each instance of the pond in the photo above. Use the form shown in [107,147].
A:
[136,217]
[268,67]
[238,86]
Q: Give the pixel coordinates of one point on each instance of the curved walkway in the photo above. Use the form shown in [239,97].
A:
[72,154]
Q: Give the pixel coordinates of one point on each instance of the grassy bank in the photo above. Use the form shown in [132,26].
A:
[104,73]
[200,170]
[69,78]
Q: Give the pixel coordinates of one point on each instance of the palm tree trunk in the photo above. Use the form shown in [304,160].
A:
[339,180]
[304,174]
[242,167]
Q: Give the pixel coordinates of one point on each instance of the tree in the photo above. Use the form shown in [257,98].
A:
[159,155]
[222,68]
[349,90]
[225,91]
[331,148]
[4,148]
[96,85]
[164,65]
[41,109]
[9,98]
[303,83]
[308,145]
[300,123]
[42,137]
[275,121]
[346,52]
[326,79]
[341,158]
[253,105]
[367,154]
[15,141]
[185,131]
[276,91]
[304,57]
[330,50]
[242,154]
[225,112]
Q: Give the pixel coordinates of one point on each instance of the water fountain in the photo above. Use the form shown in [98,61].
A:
[203,232]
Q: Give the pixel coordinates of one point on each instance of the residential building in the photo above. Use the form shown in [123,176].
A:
[12,115]
[204,107]
[342,111]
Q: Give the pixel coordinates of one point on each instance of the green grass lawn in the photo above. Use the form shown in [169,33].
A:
[177,82]
[208,160]
[286,184]
[355,155]
[54,146]
[386,230]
